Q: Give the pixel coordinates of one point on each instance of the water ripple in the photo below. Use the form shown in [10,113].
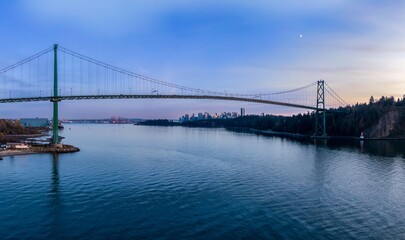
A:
[181,183]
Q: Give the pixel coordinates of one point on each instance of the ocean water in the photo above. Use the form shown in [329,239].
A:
[138,182]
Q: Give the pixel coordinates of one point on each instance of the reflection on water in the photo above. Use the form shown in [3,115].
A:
[384,148]
[54,195]
[55,178]
[136,182]
[392,148]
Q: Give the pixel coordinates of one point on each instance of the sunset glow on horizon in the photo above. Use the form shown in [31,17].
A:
[259,46]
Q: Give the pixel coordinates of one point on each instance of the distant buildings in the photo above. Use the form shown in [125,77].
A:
[17,146]
[200,116]
[206,116]
[120,120]
[34,122]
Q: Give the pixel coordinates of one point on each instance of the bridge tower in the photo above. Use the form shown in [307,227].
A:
[55,99]
[320,114]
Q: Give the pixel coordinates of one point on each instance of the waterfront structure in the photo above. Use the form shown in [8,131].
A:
[34,122]
[17,146]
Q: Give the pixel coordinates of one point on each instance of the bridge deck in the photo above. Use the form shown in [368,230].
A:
[157,96]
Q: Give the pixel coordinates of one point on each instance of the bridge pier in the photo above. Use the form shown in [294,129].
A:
[55,99]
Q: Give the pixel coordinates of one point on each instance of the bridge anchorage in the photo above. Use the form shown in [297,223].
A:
[57,74]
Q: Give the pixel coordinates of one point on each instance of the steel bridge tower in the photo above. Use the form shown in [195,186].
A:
[55,99]
[320,113]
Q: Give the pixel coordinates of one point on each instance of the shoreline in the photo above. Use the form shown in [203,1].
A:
[71,149]
[286,134]
[9,153]
[26,135]
[302,136]
[39,149]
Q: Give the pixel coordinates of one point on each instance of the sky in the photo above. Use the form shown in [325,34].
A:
[357,47]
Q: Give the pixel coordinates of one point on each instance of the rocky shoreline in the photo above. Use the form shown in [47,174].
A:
[58,148]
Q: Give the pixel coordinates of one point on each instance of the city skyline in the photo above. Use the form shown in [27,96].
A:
[206,115]
[228,45]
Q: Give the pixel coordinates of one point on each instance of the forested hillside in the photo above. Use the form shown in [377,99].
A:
[382,118]
[13,127]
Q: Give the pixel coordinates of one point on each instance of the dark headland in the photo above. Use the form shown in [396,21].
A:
[382,119]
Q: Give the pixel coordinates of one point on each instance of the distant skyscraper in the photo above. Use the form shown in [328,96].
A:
[242,112]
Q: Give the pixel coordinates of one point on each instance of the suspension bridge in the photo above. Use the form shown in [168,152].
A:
[56,74]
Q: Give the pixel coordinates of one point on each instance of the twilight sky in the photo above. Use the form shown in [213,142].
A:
[253,46]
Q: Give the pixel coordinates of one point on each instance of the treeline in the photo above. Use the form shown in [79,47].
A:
[347,121]
[301,123]
[13,127]
[159,122]
[364,117]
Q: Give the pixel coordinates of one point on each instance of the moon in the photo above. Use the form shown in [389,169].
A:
[301,35]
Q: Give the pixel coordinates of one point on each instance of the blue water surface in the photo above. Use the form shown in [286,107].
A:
[139,182]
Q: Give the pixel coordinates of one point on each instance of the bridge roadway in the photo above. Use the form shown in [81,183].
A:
[153,96]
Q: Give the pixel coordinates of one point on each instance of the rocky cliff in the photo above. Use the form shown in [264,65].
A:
[389,125]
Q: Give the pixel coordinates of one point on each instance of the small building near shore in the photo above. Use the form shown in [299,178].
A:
[17,146]
[34,122]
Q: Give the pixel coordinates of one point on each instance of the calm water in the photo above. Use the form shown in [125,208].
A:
[133,182]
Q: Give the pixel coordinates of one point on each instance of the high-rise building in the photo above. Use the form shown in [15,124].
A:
[242,112]
[200,116]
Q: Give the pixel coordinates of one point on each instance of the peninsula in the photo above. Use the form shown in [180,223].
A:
[15,139]
[378,119]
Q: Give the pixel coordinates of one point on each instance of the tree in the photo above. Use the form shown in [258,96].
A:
[371,101]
